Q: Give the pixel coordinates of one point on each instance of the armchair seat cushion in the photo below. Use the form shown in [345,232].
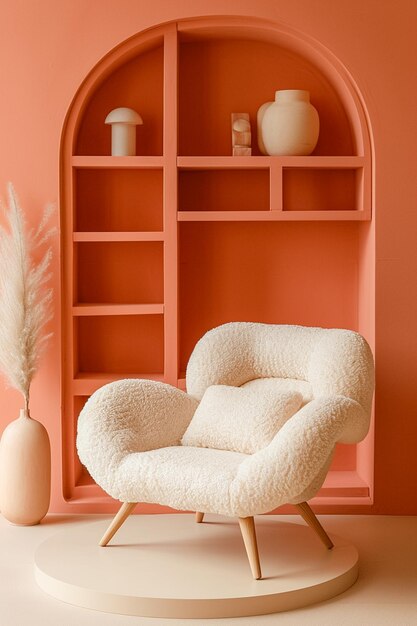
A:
[184,478]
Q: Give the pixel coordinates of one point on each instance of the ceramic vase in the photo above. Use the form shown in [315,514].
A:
[25,471]
[290,125]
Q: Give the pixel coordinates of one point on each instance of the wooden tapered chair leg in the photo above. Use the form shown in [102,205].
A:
[120,517]
[309,517]
[247,528]
[199,517]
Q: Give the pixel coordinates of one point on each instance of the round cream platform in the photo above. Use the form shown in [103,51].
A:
[169,566]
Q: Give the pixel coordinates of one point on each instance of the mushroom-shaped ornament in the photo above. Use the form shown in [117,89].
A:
[123,131]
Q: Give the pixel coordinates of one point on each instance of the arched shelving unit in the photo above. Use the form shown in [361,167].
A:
[162,246]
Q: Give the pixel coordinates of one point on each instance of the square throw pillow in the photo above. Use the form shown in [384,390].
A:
[238,419]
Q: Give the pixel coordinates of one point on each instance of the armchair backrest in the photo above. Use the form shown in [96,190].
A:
[333,361]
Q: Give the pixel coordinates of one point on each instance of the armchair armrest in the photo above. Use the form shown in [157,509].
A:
[296,456]
[127,416]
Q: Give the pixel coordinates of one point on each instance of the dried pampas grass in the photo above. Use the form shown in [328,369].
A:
[25,300]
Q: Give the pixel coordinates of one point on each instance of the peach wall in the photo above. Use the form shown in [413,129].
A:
[47,48]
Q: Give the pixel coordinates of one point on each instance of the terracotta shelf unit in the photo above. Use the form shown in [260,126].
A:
[160,247]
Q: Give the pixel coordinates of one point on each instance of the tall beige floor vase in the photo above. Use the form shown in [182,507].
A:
[25,309]
[25,471]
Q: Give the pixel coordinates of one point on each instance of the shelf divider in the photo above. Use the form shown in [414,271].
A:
[125,162]
[264,162]
[272,216]
[117,309]
[108,236]
[86,383]
[275,187]
[170,196]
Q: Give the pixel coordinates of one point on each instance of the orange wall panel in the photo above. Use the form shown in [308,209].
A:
[47,49]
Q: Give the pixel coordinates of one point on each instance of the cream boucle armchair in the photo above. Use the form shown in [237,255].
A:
[130,431]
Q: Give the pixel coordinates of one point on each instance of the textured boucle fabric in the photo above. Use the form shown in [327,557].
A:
[281,385]
[181,477]
[240,419]
[333,361]
[129,432]
[129,416]
[290,464]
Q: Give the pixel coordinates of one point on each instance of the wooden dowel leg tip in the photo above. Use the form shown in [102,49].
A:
[309,517]
[120,517]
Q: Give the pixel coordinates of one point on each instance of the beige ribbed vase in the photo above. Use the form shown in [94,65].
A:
[25,471]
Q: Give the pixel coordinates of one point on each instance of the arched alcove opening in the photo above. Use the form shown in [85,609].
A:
[160,247]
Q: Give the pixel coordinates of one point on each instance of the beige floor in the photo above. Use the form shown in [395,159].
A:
[385,594]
